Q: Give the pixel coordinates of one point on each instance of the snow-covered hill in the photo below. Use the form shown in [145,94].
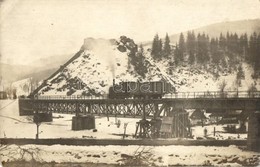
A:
[100,62]
[92,71]
[194,78]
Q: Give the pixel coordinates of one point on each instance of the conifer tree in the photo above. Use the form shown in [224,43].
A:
[222,50]
[191,47]
[160,49]
[202,53]
[181,47]
[177,55]
[240,75]
[240,48]
[253,50]
[245,46]
[222,42]
[235,44]
[215,56]
[167,47]
[258,53]
[139,62]
[227,41]
[156,47]
[199,49]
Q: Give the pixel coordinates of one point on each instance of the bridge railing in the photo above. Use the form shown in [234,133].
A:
[214,94]
[72,97]
[186,95]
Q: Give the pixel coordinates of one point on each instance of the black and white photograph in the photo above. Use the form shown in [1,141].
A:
[131,83]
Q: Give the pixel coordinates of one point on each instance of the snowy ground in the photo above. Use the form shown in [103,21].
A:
[12,125]
[160,155]
[220,134]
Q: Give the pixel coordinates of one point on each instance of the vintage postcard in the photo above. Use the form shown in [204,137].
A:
[129,83]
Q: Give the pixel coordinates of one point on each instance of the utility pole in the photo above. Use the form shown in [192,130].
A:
[125,125]
[37,121]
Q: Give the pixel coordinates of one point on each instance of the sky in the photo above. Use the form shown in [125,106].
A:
[33,29]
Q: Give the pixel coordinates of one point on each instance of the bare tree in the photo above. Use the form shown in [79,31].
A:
[37,120]
[251,90]
[22,154]
[32,152]
[222,87]
[142,156]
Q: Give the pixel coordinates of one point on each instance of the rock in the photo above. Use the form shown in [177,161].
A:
[121,48]
[126,156]
[199,138]
[96,156]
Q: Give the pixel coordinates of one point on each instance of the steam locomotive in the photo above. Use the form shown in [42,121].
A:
[138,90]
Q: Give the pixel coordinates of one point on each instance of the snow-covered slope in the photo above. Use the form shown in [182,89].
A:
[92,70]
[193,78]
[101,61]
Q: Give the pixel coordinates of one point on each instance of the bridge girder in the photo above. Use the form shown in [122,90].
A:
[134,107]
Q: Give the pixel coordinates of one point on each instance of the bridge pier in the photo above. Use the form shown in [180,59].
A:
[253,136]
[83,122]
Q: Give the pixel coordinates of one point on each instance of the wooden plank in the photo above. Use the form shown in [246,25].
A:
[166,126]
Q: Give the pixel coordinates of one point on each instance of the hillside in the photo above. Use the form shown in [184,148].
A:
[96,65]
[92,70]
[196,79]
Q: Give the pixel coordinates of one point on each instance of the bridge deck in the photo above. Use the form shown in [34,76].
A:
[177,95]
[211,101]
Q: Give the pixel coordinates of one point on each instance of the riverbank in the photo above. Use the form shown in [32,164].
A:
[130,155]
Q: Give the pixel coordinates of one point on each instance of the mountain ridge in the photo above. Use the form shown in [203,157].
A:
[214,30]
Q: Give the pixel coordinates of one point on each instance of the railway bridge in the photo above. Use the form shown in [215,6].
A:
[211,101]
[169,105]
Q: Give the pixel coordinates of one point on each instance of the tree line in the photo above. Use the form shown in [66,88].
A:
[226,51]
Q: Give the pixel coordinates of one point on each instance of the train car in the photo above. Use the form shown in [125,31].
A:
[151,90]
[119,91]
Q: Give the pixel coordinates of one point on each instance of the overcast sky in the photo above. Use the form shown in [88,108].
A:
[32,29]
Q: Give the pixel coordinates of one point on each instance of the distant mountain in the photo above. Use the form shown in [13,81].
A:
[214,30]
[39,76]
[38,70]
[51,62]
[10,73]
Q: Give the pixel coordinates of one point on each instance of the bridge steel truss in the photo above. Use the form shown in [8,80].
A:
[143,108]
